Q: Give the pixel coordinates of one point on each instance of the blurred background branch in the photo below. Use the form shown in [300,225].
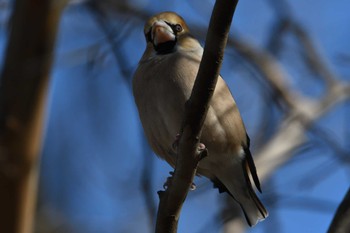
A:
[23,88]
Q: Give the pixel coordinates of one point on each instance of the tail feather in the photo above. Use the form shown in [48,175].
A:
[254,205]
[251,165]
[236,181]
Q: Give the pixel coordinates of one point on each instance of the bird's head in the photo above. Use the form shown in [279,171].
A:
[164,31]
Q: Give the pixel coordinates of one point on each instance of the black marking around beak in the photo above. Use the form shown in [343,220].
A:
[149,36]
[165,47]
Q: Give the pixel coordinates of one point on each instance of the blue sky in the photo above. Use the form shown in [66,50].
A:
[94,151]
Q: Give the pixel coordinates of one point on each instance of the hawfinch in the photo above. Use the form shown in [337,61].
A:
[163,83]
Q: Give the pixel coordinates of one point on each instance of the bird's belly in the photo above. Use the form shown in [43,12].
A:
[162,122]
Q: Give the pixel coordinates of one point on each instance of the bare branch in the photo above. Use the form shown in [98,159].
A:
[172,199]
[341,220]
[270,69]
[22,99]
[302,112]
[291,133]
[97,9]
[287,24]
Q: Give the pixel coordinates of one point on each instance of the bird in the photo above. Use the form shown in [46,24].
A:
[162,83]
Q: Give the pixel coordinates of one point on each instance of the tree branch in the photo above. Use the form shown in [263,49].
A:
[196,109]
[341,220]
[23,88]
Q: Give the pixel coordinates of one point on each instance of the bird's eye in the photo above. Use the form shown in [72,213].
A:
[178,28]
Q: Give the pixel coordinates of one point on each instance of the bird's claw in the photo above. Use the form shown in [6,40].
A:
[202,151]
[175,144]
[193,186]
[170,179]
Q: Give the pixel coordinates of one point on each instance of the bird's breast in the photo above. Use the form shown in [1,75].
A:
[161,87]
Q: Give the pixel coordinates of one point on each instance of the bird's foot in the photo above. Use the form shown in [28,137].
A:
[202,151]
[193,186]
[169,180]
[175,144]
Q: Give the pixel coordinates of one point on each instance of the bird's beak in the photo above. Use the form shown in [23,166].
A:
[162,33]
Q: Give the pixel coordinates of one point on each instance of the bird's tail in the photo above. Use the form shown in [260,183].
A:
[236,180]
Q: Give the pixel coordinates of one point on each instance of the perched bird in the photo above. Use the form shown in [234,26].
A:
[163,83]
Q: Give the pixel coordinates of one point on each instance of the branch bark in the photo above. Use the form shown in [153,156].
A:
[172,199]
[23,87]
[341,220]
